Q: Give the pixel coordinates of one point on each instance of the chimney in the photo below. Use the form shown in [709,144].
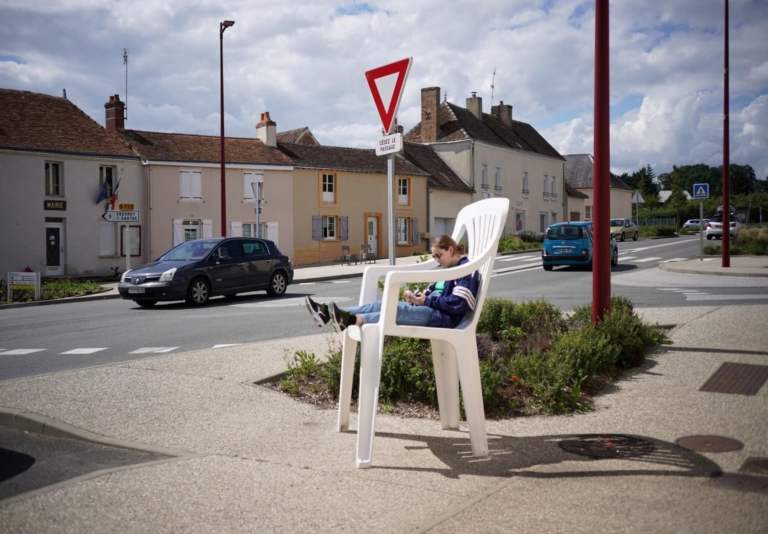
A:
[475,105]
[430,104]
[115,114]
[504,113]
[266,130]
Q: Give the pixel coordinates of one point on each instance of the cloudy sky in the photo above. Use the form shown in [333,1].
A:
[304,62]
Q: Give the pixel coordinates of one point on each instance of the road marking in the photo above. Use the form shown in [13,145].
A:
[673,259]
[532,259]
[17,352]
[340,281]
[146,350]
[83,351]
[227,345]
[287,302]
[625,258]
[710,259]
[517,271]
[652,258]
[306,284]
[676,242]
[668,288]
[514,258]
[706,296]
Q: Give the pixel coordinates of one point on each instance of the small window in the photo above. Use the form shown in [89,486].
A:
[53,184]
[250,229]
[498,179]
[191,230]
[519,222]
[329,227]
[329,188]
[402,191]
[402,231]
[546,186]
[526,190]
[485,176]
[543,222]
[553,192]
[191,185]
[587,213]
[107,175]
[554,217]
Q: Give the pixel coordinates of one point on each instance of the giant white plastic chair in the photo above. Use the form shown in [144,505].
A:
[454,350]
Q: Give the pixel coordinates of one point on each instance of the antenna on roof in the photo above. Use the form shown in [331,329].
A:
[125,62]
[493,82]
[64,93]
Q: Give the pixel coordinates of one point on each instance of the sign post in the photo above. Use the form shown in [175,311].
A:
[127,247]
[23,280]
[258,190]
[386,84]
[700,192]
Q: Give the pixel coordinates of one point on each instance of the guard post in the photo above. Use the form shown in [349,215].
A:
[701,192]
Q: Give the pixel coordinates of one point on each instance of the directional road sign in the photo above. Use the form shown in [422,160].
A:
[700,191]
[387,83]
[121,216]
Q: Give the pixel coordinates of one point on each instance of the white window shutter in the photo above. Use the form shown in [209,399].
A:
[106,239]
[197,185]
[208,228]
[272,232]
[235,229]
[185,185]
[248,179]
[178,232]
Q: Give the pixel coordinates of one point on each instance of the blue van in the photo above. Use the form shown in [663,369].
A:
[570,243]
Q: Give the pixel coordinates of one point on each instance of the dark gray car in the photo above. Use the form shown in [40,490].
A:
[197,270]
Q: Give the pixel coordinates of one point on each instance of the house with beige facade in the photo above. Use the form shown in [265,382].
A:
[496,156]
[183,177]
[579,169]
[59,169]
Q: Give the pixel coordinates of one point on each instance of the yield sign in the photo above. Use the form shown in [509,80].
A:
[387,83]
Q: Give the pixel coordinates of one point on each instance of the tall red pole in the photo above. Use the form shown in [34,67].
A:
[223,181]
[601,258]
[726,238]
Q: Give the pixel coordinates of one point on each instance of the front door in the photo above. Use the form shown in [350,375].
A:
[55,250]
[373,234]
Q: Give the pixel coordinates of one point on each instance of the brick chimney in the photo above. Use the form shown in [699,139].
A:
[475,105]
[266,130]
[115,114]
[504,113]
[430,104]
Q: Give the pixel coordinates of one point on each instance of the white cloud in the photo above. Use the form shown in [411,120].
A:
[304,62]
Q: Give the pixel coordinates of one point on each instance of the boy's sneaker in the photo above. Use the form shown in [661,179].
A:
[319,312]
[340,319]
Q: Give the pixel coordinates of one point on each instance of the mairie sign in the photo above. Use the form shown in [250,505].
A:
[700,191]
[121,216]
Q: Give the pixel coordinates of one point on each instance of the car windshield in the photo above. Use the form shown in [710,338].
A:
[617,222]
[192,250]
[564,232]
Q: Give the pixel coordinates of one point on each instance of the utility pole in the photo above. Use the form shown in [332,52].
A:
[726,238]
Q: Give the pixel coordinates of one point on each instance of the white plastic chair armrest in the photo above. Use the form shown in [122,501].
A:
[369,289]
[454,273]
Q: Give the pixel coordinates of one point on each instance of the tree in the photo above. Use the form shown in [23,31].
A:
[645,185]
[677,199]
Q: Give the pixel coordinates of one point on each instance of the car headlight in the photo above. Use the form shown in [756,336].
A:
[122,278]
[167,276]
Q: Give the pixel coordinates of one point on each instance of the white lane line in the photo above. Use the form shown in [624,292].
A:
[517,271]
[340,281]
[668,288]
[223,346]
[652,258]
[514,258]
[710,259]
[18,352]
[673,259]
[625,258]
[307,284]
[146,350]
[83,351]
[532,259]
[705,296]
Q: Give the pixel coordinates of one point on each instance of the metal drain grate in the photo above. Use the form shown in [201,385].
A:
[737,378]
[603,446]
[709,444]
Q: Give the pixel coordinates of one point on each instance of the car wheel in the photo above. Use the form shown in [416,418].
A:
[615,257]
[547,267]
[199,292]
[709,237]
[230,295]
[622,237]
[589,266]
[277,284]
[146,303]
[637,234]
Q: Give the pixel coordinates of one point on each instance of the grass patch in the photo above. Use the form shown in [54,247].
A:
[533,360]
[52,289]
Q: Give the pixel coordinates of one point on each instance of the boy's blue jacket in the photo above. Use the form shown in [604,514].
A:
[457,298]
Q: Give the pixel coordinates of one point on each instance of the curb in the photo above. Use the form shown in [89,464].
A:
[60,301]
[40,424]
[667,267]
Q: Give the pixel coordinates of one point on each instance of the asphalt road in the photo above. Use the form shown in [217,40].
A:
[46,339]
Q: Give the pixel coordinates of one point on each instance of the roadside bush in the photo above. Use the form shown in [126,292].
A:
[531,237]
[513,244]
[752,241]
[52,289]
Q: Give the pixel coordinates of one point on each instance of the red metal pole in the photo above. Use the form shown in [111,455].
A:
[601,260]
[726,238]
[223,181]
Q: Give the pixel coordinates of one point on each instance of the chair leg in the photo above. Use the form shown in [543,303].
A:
[447,381]
[371,347]
[472,392]
[349,348]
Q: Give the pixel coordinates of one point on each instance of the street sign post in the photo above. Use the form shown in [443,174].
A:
[386,84]
[701,192]
[23,280]
[389,144]
[121,216]
[258,192]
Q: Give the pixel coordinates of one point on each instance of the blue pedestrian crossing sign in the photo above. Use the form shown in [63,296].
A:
[700,191]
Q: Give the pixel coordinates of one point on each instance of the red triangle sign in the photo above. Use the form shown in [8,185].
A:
[387,83]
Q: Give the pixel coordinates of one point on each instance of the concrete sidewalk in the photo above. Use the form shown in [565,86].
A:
[248,459]
[713,265]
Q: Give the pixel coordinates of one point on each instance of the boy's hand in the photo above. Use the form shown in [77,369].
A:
[418,299]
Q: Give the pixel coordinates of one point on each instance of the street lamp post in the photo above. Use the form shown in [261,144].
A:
[223,26]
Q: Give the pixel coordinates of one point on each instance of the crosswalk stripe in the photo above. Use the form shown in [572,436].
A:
[18,352]
[83,351]
[652,258]
[307,284]
[227,345]
[516,258]
[673,259]
[668,288]
[339,281]
[625,258]
[532,259]
[145,350]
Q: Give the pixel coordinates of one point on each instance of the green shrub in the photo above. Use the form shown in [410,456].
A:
[407,372]
[665,231]
[500,317]
[531,237]
[514,244]
[712,250]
